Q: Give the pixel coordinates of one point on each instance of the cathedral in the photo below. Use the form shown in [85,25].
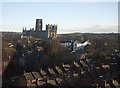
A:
[50,32]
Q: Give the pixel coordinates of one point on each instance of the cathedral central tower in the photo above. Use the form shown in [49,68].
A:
[38,26]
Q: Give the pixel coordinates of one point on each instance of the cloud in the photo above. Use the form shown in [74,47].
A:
[93,29]
[103,28]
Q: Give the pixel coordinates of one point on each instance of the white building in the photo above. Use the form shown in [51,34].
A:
[76,45]
[80,46]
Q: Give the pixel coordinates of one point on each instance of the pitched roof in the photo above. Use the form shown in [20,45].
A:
[83,63]
[28,76]
[58,69]
[66,65]
[51,71]
[31,85]
[51,82]
[76,64]
[43,72]
[59,80]
[36,75]
[40,83]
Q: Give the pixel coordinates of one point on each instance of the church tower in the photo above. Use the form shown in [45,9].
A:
[38,25]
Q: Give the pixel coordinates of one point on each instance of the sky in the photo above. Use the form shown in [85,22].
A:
[90,17]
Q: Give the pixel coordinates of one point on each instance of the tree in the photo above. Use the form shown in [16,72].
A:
[53,47]
[55,52]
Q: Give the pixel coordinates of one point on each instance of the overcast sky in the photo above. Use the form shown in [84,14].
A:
[69,16]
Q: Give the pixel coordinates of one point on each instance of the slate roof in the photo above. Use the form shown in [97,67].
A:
[28,76]
[43,73]
[40,83]
[36,75]
[76,64]
[31,85]
[83,63]
[50,81]
[59,80]
[58,69]
[51,71]
[66,65]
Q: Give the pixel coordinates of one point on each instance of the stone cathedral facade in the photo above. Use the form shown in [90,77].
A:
[50,32]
